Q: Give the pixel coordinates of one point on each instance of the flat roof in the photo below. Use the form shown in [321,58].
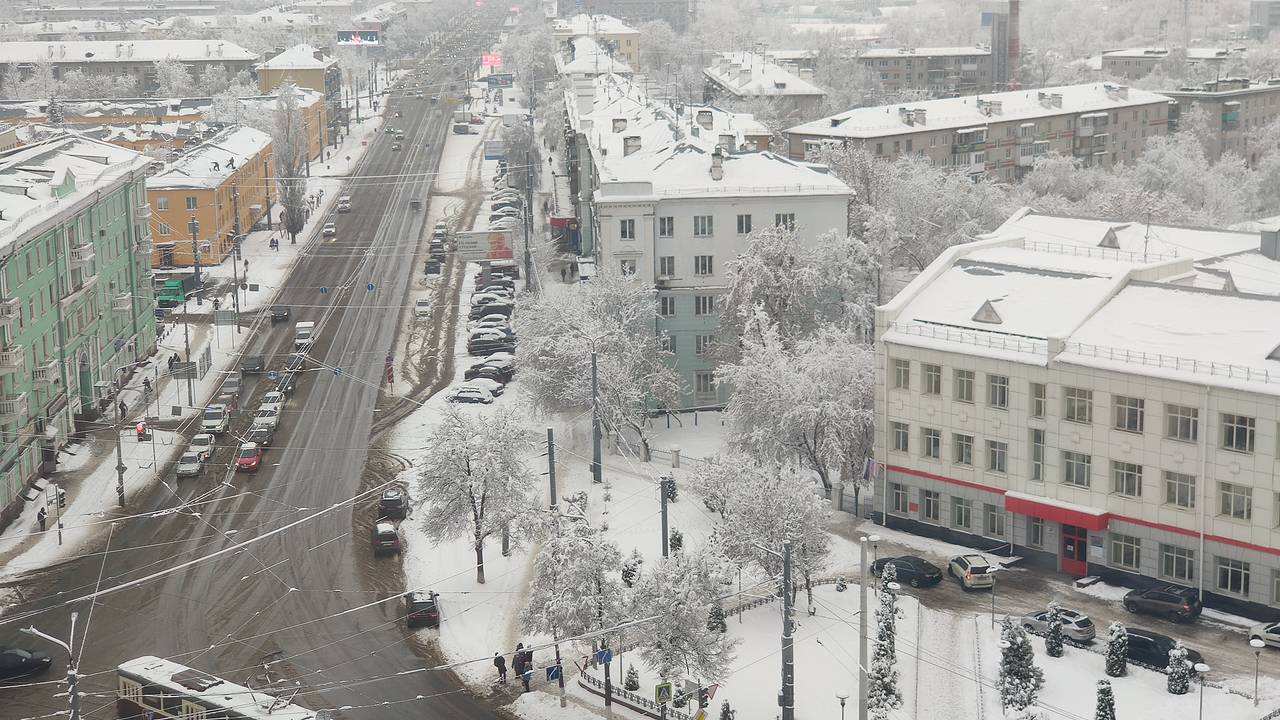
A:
[215,691]
[585,24]
[109,51]
[298,57]
[767,77]
[591,58]
[906,52]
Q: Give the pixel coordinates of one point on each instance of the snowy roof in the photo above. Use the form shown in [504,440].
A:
[109,110]
[1155,52]
[965,51]
[584,24]
[106,51]
[196,168]
[215,692]
[683,169]
[960,112]
[1129,241]
[380,13]
[77,26]
[588,57]
[39,181]
[299,57]
[1226,87]
[263,18]
[747,74]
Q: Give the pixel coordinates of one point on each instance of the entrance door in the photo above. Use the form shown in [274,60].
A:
[1075,541]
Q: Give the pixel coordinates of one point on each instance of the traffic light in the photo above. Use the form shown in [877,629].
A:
[703,700]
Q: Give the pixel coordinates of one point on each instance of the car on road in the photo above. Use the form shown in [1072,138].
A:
[394,503]
[287,383]
[189,465]
[344,204]
[266,417]
[1076,626]
[489,385]
[202,445]
[295,361]
[471,395]
[17,663]
[396,147]
[397,113]
[252,364]
[422,307]
[386,539]
[260,435]
[973,571]
[912,570]
[215,419]
[1152,648]
[248,457]
[1268,633]
[421,609]
[330,229]
[1178,604]
[279,312]
[273,400]
[399,135]
[485,298]
[432,267]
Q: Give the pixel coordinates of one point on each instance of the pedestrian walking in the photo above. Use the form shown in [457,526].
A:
[41,516]
[563,272]
[500,662]
[124,409]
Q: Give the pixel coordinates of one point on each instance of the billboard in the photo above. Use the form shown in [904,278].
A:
[490,61]
[476,245]
[359,37]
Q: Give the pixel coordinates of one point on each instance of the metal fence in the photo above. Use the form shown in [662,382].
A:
[630,699]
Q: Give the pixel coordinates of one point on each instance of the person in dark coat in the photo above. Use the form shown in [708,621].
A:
[500,662]
[41,516]
[527,669]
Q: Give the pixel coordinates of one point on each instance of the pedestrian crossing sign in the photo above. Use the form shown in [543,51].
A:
[662,693]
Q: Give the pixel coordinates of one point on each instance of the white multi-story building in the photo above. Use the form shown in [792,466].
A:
[673,195]
[1100,398]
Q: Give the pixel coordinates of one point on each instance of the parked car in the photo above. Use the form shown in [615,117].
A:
[489,385]
[260,436]
[393,503]
[497,308]
[486,346]
[17,663]
[273,400]
[465,394]
[287,383]
[215,419]
[488,372]
[912,570]
[1076,626]
[189,465]
[266,417]
[421,609]
[248,457]
[279,312]
[487,298]
[973,571]
[422,307]
[202,445]
[386,539]
[330,229]
[1152,648]
[1178,604]
[1268,633]
[432,267]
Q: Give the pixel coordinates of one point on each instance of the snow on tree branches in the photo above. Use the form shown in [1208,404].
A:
[1117,650]
[1106,706]
[1053,639]
[1179,670]
[681,590]
[289,147]
[1020,680]
[883,694]
[575,586]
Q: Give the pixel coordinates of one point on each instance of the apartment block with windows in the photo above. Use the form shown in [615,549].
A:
[940,71]
[1059,391]
[1137,63]
[134,58]
[76,306]
[999,135]
[1234,108]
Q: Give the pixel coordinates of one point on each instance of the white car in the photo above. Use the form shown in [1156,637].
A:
[1268,633]
[267,418]
[215,419]
[973,571]
[489,334]
[488,298]
[499,324]
[330,229]
[273,400]
[190,464]
[493,387]
[489,319]
[202,445]
[422,307]
[470,394]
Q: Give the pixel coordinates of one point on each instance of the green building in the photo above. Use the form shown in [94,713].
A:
[76,305]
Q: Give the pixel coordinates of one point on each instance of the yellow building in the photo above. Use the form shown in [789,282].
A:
[225,185]
[302,65]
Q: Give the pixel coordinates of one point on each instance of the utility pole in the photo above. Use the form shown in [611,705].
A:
[120,468]
[595,429]
[787,698]
[235,294]
[194,227]
[235,289]
[664,489]
[863,658]
[528,218]
[551,468]
[73,673]
[186,341]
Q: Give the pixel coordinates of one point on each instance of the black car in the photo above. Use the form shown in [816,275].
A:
[393,504]
[16,663]
[432,267]
[479,311]
[295,361]
[422,609]
[252,364]
[287,383]
[1170,601]
[486,371]
[1152,648]
[259,434]
[488,347]
[912,570]
[279,312]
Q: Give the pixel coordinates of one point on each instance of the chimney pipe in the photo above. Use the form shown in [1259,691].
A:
[717,164]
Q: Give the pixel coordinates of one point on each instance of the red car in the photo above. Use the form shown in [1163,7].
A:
[248,458]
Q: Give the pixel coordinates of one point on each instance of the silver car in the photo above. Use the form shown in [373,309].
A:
[190,464]
[1076,626]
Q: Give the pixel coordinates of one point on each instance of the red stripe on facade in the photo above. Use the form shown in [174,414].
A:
[943,478]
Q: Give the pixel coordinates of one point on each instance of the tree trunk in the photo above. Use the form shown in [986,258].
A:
[480,561]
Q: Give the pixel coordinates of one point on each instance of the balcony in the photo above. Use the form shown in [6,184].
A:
[1084,131]
[145,245]
[48,373]
[82,254]
[13,359]
[142,213]
[14,406]
[68,302]
[10,309]
[123,301]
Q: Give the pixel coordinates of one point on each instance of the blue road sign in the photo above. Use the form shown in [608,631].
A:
[337,371]
[604,655]
[324,291]
[369,287]
[553,672]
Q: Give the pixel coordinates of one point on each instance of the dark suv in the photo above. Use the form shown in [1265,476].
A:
[393,504]
[1152,648]
[1178,604]
[421,609]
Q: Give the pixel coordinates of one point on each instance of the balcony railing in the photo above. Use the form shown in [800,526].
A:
[13,359]
[14,406]
[82,254]
[123,301]
[142,213]
[48,372]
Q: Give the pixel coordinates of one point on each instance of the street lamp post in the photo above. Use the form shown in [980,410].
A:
[1257,644]
[842,696]
[1201,669]
[73,674]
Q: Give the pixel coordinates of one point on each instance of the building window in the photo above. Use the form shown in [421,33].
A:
[162,203]
[1233,576]
[666,227]
[701,264]
[191,202]
[1078,405]
[931,440]
[1180,422]
[1177,563]
[1037,455]
[995,521]
[963,449]
[1075,468]
[1126,478]
[165,229]
[667,342]
[744,224]
[785,220]
[704,304]
[900,432]
[961,513]
[998,391]
[932,379]
[628,267]
[1180,489]
[667,266]
[997,456]
[1126,551]
[930,506]
[1035,532]
[627,229]
[706,382]
[667,306]
[1237,433]
[702,344]
[702,226]
[1235,501]
[899,492]
[902,374]
[963,380]
[1129,413]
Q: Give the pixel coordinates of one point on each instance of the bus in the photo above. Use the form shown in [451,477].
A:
[152,688]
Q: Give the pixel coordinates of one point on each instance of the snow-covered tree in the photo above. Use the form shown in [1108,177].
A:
[56,113]
[173,79]
[631,568]
[887,614]
[1020,680]
[476,479]
[214,79]
[715,620]
[615,314]
[883,694]
[681,590]
[675,540]
[1105,709]
[726,712]
[632,681]
[574,587]
[1179,670]
[1053,638]
[289,148]
[530,55]
[1117,650]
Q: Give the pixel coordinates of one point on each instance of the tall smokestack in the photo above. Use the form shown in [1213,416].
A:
[1015,47]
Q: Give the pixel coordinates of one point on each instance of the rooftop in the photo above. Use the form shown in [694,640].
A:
[964,112]
[127,109]
[747,74]
[584,24]
[588,57]
[299,57]
[209,164]
[1226,87]
[215,691]
[1157,52]
[105,51]
[877,53]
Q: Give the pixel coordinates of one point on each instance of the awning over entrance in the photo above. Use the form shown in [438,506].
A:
[1056,510]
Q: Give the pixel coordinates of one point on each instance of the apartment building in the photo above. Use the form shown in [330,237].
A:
[939,71]
[207,199]
[54,31]
[608,31]
[1137,63]
[1264,16]
[305,66]
[999,135]
[1099,398]
[676,13]
[753,76]
[76,306]
[134,58]
[585,58]
[672,196]
[1235,107]
[121,9]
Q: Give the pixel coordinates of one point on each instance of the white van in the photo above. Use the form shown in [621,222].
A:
[344,204]
[303,335]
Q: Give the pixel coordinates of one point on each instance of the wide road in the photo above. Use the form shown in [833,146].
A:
[293,597]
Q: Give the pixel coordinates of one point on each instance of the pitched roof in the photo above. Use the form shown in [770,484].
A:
[111,51]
